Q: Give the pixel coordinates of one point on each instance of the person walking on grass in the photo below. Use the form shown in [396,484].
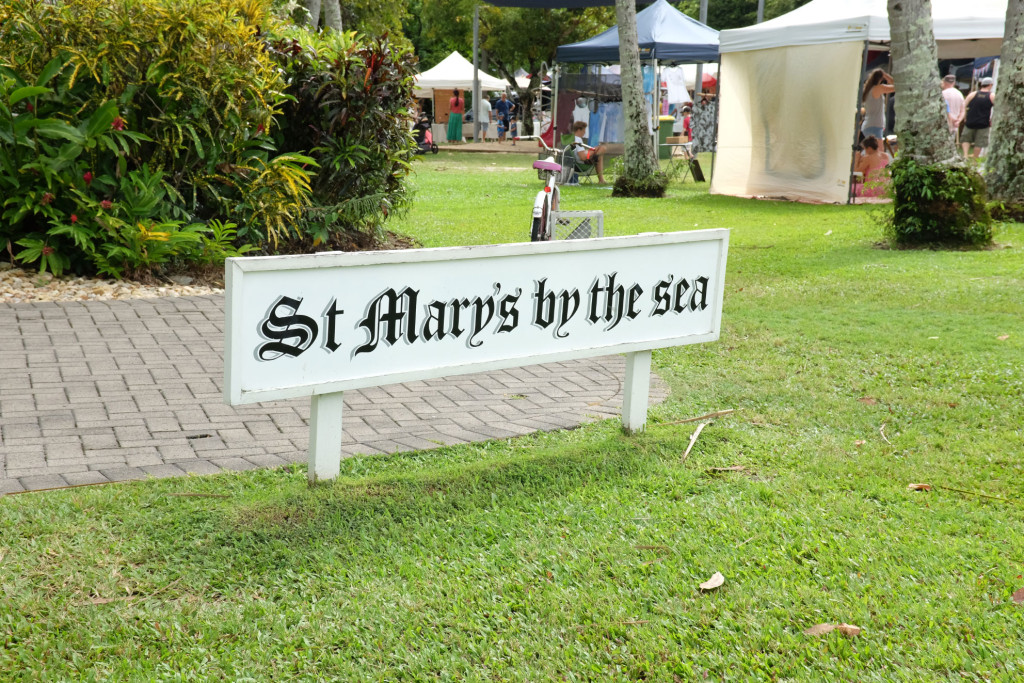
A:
[483,115]
[954,100]
[978,119]
[456,108]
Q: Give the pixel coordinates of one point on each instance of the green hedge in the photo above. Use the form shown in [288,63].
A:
[141,132]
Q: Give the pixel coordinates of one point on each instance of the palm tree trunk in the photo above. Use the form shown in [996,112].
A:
[332,14]
[641,162]
[920,112]
[313,7]
[1005,162]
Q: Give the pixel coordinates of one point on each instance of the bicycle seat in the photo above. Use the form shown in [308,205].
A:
[545,165]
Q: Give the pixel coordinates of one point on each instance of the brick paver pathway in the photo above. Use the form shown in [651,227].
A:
[115,390]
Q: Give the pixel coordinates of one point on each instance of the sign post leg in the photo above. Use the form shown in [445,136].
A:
[325,436]
[636,391]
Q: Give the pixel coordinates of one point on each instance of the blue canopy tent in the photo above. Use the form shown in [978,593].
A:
[664,34]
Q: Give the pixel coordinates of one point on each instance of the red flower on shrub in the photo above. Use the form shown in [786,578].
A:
[260,129]
[46,199]
[74,218]
[28,105]
[87,177]
[117,123]
[47,251]
[106,203]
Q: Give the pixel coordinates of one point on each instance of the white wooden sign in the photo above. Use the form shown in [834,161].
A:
[316,325]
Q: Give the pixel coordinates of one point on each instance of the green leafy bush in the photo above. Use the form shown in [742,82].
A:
[937,205]
[350,113]
[124,127]
[131,132]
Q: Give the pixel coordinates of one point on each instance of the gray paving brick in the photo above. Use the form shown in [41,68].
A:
[200,467]
[119,395]
[89,477]
[123,473]
[43,481]
[162,471]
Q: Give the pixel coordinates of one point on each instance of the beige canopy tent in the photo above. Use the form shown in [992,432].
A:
[454,71]
[790,89]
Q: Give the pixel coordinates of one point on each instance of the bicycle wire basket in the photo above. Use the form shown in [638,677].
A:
[577,225]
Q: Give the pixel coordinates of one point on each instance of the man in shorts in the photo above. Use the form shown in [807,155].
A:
[978,119]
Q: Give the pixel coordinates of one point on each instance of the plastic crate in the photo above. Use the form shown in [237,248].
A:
[577,225]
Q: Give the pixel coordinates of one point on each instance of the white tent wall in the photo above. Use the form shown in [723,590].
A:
[789,91]
[787,122]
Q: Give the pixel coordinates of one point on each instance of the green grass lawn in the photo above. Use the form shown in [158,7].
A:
[854,370]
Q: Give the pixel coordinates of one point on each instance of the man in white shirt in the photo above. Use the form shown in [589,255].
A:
[483,114]
[954,103]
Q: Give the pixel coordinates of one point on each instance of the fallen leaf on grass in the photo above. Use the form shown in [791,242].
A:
[821,629]
[859,442]
[919,487]
[714,582]
[868,400]
[1018,596]
[1003,337]
[734,468]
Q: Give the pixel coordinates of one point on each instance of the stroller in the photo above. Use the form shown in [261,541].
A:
[421,134]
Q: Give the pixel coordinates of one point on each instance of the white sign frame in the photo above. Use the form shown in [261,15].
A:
[326,396]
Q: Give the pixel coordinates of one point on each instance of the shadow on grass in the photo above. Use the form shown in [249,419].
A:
[286,526]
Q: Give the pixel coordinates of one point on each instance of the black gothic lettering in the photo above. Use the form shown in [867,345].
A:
[436,313]
[564,314]
[662,299]
[395,313]
[700,287]
[331,313]
[508,311]
[544,309]
[280,329]
[680,296]
[634,296]
[479,320]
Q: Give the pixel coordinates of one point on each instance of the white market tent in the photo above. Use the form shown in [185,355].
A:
[454,71]
[790,90]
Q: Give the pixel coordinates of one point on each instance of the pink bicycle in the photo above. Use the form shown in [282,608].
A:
[547,199]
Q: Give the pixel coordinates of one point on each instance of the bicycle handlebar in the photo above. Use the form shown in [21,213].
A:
[536,137]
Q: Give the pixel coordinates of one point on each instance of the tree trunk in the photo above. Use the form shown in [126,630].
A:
[641,162]
[1005,162]
[332,14]
[937,199]
[313,7]
[923,127]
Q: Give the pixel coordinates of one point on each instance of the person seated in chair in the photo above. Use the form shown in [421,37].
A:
[586,154]
[872,162]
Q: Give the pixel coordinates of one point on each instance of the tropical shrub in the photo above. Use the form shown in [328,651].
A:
[126,126]
[132,133]
[350,112]
[937,205]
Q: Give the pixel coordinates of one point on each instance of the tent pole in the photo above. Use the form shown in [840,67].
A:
[555,142]
[856,118]
[718,113]
[655,102]
[476,73]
